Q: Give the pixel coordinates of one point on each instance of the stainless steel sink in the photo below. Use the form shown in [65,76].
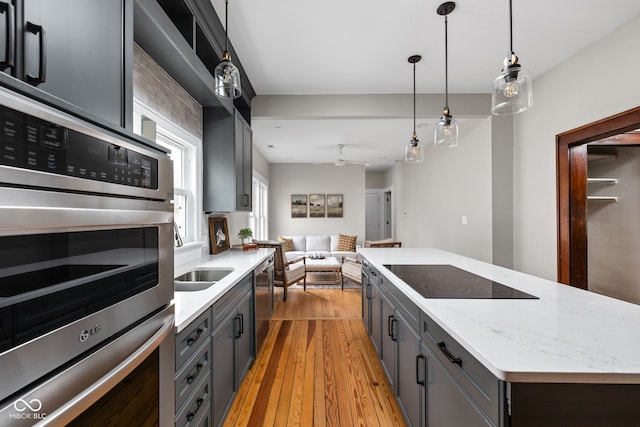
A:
[199,280]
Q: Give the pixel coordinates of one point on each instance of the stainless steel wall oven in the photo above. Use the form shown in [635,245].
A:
[86,268]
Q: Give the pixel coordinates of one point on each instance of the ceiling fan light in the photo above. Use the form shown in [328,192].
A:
[414,151]
[446,132]
[511,91]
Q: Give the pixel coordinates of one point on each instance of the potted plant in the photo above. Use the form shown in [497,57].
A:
[245,234]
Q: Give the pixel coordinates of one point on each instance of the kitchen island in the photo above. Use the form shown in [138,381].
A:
[567,356]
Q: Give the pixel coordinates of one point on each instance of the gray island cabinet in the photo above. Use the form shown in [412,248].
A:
[498,362]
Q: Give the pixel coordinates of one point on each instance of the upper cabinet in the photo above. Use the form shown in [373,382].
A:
[78,51]
[227,161]
[186,38]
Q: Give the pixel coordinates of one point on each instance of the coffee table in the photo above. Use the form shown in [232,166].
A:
[325,265]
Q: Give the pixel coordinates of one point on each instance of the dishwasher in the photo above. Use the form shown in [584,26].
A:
[264,299]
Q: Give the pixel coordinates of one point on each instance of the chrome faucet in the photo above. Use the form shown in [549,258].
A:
[177,240]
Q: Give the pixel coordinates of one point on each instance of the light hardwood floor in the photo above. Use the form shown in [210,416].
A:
[316,367]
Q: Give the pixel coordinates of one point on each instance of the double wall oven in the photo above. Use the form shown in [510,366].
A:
[86,272]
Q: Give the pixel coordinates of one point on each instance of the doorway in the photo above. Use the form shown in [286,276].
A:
[572,156]
[378,214]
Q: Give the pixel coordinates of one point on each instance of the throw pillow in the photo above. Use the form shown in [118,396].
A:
[346,243]
[288,243]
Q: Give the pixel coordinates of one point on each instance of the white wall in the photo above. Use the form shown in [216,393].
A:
[600,81]
[431,197]
[286,179]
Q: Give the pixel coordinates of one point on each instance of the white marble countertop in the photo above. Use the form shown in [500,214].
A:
[189,305]
[567,335]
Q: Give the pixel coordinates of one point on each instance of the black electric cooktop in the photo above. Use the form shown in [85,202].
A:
[447,281]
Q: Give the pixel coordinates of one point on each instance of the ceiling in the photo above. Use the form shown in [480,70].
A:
[308,47]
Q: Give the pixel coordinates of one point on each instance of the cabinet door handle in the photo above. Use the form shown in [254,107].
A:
[240,317]
[192,340]
[191,415]
[420,380]
[193,376]
[9,11]
[368,291]
[42,54]
[393,335]
[389,321]
[455,360]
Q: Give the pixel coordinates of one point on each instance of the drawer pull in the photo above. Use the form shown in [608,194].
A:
[419,380]
[192,340]
[193,376]
[447,353]
[191,415]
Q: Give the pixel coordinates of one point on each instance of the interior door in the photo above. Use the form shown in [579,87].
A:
[373,229]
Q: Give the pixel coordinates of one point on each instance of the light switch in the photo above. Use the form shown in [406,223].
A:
[464,220]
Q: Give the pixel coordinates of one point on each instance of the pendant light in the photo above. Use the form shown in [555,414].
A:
[446,132]
[227,75]
[414,151]
[511,91]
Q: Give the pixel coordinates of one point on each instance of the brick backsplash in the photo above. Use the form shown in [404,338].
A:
[153,87]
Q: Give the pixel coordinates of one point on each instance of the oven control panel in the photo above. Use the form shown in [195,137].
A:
[31,143]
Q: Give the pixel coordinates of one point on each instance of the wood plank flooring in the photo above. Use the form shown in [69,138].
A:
[316,367]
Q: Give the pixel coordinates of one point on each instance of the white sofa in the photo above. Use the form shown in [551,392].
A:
[313,245]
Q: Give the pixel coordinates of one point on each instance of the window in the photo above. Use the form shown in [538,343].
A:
[184,148]
[258,218]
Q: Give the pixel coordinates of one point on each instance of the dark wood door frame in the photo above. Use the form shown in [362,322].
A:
[571,170]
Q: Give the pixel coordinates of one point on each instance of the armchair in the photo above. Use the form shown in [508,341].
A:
[286,272]
[352,270]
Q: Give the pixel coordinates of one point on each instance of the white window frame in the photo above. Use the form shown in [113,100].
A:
[259,215]
[191,166]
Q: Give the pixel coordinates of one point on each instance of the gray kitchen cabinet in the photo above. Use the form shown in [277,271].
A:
[447,403]
[232,345]
[371,304]
[400,352]
[228,167]
[79,51]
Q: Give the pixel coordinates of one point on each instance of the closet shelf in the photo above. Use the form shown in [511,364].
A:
[603,198]
[602,180]
[596,157]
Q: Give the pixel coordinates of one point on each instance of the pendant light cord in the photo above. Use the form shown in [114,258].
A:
[226,25]
[510,28]
[414,98]
[446,65]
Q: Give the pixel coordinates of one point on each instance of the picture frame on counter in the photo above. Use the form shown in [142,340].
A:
[218,235]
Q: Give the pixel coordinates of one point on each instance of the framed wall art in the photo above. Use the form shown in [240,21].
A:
[218,235]
[298,206]
[317,207]
[334,205]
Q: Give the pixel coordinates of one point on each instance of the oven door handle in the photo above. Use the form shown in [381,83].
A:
[71,409]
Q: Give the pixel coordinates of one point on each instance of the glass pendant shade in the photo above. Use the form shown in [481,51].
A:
[414,151]
[446,133]
[227,75]
[227,78]
[511,91]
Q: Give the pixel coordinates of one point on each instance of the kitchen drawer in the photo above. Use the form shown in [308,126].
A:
[477,381]
[191,373]
[190,338]
[197,411]
[408,309]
